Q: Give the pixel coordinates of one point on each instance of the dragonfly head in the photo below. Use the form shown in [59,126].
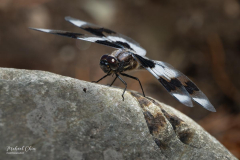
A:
[108,63]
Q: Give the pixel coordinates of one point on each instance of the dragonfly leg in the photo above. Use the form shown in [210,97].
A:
[124,84]
[126,75]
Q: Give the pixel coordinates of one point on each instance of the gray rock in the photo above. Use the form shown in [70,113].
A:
[48,116]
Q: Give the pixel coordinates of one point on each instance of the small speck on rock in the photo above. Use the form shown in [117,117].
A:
[85,90]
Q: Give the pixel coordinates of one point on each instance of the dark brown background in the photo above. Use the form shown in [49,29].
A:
[199,38]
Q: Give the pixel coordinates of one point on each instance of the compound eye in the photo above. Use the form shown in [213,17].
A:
[112,62]
[104,57]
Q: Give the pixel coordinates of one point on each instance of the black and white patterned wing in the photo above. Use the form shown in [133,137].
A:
[90,38]
[108,35]
[196,94]
[167,79]
[176,83]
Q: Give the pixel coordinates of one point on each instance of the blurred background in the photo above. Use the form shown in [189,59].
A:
[199,38]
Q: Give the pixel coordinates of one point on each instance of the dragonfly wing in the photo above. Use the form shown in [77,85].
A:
[109,35]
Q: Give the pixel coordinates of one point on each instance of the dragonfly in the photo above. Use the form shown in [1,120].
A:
[129,55]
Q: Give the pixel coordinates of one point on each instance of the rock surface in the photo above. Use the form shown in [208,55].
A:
[48,116]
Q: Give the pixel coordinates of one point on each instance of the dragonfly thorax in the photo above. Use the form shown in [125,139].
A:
[118,61]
